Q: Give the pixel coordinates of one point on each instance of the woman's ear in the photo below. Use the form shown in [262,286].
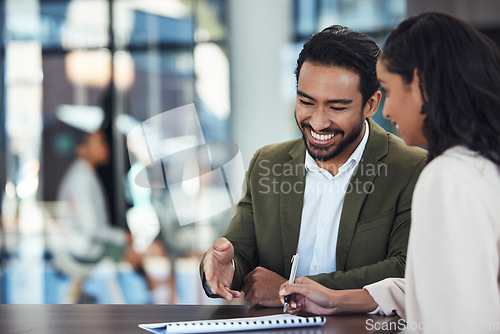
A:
[415,85]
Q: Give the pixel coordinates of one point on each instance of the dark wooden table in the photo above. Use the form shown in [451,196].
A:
[96,319]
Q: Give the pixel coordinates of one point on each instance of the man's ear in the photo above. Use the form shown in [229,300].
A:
[372,104]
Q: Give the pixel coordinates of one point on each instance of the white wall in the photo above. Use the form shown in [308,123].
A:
[259,35]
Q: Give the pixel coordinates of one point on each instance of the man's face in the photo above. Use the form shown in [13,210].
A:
[329,111]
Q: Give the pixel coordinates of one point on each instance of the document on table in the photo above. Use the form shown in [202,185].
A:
[239,324]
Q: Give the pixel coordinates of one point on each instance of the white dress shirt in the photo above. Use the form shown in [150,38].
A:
[323,200]
[84,213]
[452,278]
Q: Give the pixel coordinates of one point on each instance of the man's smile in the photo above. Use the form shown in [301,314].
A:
[321,139]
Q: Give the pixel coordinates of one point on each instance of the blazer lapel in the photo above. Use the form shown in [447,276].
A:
[291,201]
[376,149]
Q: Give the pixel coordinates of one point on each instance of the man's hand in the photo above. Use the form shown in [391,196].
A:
[261,287]
[219,270]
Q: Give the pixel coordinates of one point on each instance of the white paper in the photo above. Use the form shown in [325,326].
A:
[239,324]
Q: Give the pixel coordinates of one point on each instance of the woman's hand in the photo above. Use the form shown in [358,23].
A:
[312,297]
[309,296]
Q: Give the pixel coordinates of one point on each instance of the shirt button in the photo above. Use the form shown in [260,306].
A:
[332,181]
[322,224]
[316,268]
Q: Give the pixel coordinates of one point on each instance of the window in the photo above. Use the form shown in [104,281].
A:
[77,63]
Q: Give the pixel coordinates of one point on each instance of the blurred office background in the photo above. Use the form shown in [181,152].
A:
[122,62]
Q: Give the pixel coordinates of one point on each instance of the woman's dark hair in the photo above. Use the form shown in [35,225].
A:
[459,75]
[342,47]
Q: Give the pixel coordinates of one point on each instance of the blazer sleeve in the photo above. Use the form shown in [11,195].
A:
[394,263]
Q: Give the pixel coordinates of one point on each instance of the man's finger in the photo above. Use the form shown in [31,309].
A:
[222,244]
[214,286]
[225,293]
[208,269]
[236,294]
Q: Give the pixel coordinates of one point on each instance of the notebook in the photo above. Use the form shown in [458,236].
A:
[232,325]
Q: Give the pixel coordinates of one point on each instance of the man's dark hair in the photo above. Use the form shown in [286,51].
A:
[340,46]
[459,75]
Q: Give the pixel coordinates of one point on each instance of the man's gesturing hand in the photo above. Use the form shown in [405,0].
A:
[219,270]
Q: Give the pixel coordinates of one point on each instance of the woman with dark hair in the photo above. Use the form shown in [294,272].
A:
[442,83]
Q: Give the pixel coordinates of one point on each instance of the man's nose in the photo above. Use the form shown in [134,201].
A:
[319,120]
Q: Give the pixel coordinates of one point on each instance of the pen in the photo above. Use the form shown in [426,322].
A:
[295,263]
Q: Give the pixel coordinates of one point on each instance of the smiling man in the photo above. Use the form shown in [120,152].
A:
[340,196]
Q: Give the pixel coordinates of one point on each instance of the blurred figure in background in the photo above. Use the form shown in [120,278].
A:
[90,234]
[83,208]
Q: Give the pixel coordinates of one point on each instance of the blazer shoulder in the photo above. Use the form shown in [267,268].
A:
[281,152]
[390,149]
[398,151]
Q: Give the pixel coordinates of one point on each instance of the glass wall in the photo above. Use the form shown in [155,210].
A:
[82,65]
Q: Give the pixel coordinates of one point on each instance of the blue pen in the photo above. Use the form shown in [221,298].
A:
[293,272]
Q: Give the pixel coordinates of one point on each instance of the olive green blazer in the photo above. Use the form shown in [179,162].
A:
[375,219]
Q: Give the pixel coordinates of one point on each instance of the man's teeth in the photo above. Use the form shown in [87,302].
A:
[322,137]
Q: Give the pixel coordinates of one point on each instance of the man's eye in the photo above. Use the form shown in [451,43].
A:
[306,103]
[338,109]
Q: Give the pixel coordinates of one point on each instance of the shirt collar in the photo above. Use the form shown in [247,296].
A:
[312,165]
